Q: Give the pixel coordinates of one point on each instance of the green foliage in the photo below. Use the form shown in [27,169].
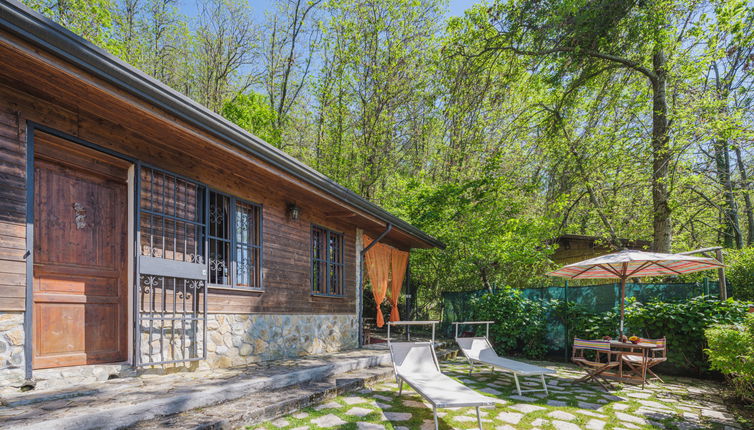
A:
[583,323]
[91,19]
[683,324]
[740,272]
[731,351]
[252,112]
[520,326]
[492,236]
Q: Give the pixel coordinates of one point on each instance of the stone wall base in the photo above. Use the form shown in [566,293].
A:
[235,340]
[239,339]
[232,340]
[11,349]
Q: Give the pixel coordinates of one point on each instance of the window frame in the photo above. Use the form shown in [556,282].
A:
[233,242]
[327,262]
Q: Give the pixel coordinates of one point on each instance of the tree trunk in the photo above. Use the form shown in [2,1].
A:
[732,231]
[662,223]
[485,279]
[749,210]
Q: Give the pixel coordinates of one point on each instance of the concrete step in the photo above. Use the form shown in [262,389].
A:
[258,407]
[122,404]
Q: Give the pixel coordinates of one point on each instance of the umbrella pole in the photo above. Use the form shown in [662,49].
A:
[622,302]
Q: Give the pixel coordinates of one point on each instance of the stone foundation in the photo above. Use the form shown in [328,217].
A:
[239,339]
[235,340]
[232,340]
[11,348]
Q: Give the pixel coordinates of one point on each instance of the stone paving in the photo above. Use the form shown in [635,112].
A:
[679,403]
[123,402]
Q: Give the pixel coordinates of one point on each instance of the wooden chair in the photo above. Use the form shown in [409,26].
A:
[656,356]
[604,359]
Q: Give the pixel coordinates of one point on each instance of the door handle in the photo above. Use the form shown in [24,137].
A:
[27,254]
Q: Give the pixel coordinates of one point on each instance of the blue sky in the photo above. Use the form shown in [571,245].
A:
[188,7]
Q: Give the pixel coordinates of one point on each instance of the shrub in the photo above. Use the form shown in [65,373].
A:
[581,322]
[731,351]
[520,324]
[683,323]
[740,272]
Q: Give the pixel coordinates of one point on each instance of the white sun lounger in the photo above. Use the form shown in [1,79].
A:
[479,350]
[415,363]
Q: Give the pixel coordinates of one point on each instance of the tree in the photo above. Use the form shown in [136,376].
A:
[382,52]
[90,19]
[225,40]
[730,78]
[252,112]
[291,35]
[579,38]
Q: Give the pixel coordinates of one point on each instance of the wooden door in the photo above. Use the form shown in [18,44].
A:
[80,250]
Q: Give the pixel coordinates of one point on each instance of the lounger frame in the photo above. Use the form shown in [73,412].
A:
[400,379]
[493,366]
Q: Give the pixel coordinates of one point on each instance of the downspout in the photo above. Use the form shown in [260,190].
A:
[360,293]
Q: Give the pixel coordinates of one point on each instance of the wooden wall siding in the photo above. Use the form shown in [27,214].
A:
[31,91]
[12,212]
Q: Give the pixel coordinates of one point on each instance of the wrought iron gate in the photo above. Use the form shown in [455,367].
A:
[171,292]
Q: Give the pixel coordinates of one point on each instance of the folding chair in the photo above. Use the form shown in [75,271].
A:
[595,368]
[656,356]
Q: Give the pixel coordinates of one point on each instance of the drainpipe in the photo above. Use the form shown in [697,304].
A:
[360,293]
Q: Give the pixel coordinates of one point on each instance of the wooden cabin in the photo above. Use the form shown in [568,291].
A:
[572,248]
[140,230]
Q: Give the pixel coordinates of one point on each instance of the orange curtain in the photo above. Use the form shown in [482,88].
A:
[399,263]
[377,261]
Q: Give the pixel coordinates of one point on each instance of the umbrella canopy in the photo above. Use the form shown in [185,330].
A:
[633,264]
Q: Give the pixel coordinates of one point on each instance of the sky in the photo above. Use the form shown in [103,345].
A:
[188,7]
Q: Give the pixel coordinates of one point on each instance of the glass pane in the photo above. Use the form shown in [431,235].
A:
[316,285]
[219,253]
[333,279]
[331,246]
[219,216]
[246,224]
[243,267]
[317,243]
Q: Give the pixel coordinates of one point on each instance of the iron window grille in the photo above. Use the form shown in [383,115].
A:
[327,262]
[235,242]
[171,225]
[170,296]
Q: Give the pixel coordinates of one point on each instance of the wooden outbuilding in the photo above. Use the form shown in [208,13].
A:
[572,248]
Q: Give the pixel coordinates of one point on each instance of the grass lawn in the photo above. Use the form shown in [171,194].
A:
[680,403]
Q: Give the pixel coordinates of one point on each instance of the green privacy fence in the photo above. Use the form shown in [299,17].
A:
[598,298]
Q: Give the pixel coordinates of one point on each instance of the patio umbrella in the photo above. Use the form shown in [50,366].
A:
[634,264]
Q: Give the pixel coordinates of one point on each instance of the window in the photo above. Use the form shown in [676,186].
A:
[327,262]
[235,242]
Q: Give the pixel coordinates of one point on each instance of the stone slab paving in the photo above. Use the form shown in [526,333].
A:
[680,403]
[124,402]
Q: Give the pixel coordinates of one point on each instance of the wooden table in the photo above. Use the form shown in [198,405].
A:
[640,349]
